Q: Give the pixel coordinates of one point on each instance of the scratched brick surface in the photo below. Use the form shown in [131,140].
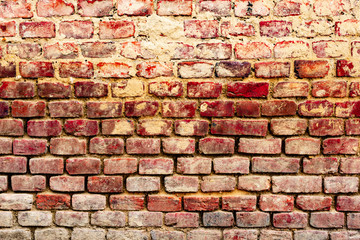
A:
[179,119]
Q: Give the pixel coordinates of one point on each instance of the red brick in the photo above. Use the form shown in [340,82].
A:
[286,8]
[54,90]
[166,89]
[218,184]
[4,187]
[191,127]
[297,184]
[179,109]
[203,89]
[248,108]
[7,70]
[218,219]
[28,183]
[195,69]
[195,203]
[252,50]
[353,220]
[291,49]
[76,29]
[201,28]
[348,203]
[154,69]
[347,109]
[320,165]
[106,146]
[260,146]
[340,146]
[239,203]
[76,70]
[278,108]
[67,146]
[327,220]
[117,127]
[275,165]
[330,49]
[67,184]
[13,164]
[251,8]
[61,51]
[239,28]
[37,29]
[116,29]
[254,183]
[11,127]
[311,69]
[154,127]
[310,108]
[182,219]
[345,68]
[231,165]
[174,8]
[196,165]
[90,89]
[252,219]
[214,51]
[239,127]
[288,126]
[134,8]
[36,69]
[275,28]
[126,202]
[76,166]
[143,184]
[217,109]
[113,70]
[164,203]
[143,146]
[81,127]
[272,69]
[29,146]
[104,109]
[326,8]
[302,146]
[240,234]
[290,220]
[120,165]
[25,51]
[156,166]
[105,184]
[16,89]
[65,109]
[329,89]
[232,69]
[28,109]
[217,145]
[313,203]
[54,8]
[98,49]
[8,29]
[178,145]
[248,89]
[326,127]
[350,165]
[141,108]
[46,165]
[4,109]
[354,89]
[276,203]
[52,201]
[341,184]
[6,145]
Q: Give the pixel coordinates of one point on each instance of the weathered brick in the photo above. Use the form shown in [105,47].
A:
[143,146]
[154,69]
[29,146]
[249,234]
[278,108]
[313,203]
[29,51]
[248,89]
[182,219]
[201,203]
[120,165]
[76,29]
[231,165]
[67,146]
[341,184]
[195,69]
[287,8]
[164,203]
[145,219]
[90,89]
[71,219]
[28,183]
[181,184]
[143,184]
[329,89]
[239,127]
[51,234]
[248,108]
[191,127]
[290,220]
[35,218]
[323,8]
[106,146]
[275,165]
[117,127]
[254,183]
[4,109]
[203,89]
[326,127]
[218,219]
[245,8]
[302,146]
[14,89]
[116,29]
[178,145]
[275,28]
[61,51]
[276,203]
[330,49]
[166,89]
[200,234]
[54,8]
[81,127]
[37,29]
[174,8]
[113,70]
[8,29]
[51,201]
[239,203]
[28,108]
[7,219]
[108,219]
[6,145]
[154,127]
[350,165]
[131,234]
[18,201]
[156,166]
[236,29]
[291,89]
[291,49]
[340,146]
[218,184]
[88,202]
[65,109]
[311,69]
[217,145]
[126,202]
[36,69]
[67,184]
[46,165]
[88,233]
[44,128]
[75,166]
[104,109]
[347,203]
[105,184]
[197,165]
[201,28]
[141,108]
[260,146]
[98,49]
[97,8]
[232,69]
[288,126]
[297,184]
[54,90]
[272,69]
[252,50]
[327,220]
[13,164]
[319,165]
[217,109]
[15,234]
[76,70]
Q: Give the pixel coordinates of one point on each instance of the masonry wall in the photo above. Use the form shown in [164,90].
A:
[179,119]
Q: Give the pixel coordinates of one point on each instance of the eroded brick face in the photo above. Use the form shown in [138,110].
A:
[179,119]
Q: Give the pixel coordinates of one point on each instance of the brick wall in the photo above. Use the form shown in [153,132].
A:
[179,119]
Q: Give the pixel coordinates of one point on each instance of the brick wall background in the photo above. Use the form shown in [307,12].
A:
[179,119]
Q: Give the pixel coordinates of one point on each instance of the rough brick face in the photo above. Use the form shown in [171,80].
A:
[179,119]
